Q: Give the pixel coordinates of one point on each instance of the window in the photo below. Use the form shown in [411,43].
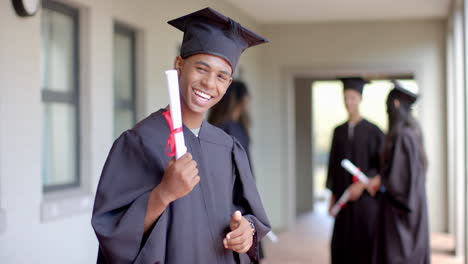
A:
[124,78]
[60,97]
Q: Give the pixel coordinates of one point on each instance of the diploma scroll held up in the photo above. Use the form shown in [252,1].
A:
[355,171]
[176,132]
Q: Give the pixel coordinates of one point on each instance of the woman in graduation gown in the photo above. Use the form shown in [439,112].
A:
[231,113]
[359,141]
[402,232]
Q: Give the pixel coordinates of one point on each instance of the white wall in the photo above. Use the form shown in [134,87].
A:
[319,50]
[70,239]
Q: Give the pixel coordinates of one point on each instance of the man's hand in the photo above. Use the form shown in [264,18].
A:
[374,185]
[355,190]
[240,239]
[180,178]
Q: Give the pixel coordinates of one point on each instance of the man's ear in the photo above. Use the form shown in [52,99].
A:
[396,103]
[178,64]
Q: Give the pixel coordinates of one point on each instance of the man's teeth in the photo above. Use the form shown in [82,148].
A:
[202,94]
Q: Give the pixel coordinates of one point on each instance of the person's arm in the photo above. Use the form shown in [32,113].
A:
[375,147]
[374,178]
[157,203]
[402,180]
[355,190]
[121,201]
[374,185]
[330,183]
[179,179]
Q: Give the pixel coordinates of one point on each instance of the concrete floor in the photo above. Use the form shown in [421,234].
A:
[308,242]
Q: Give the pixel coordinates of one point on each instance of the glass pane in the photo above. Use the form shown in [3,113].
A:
[123,67]
[374,103]
[60,151]
[57,33]
[45,32]
[123,120]
[327,112]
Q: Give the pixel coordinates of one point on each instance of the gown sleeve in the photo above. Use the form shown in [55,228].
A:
[400,180]
[375,148]
[247,199]
[121,202]
[332,165]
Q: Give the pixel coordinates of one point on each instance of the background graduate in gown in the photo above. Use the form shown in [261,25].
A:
[204,207]
[231,114]
[402,233]
[359,141]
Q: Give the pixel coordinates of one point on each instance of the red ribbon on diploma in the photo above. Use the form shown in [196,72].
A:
[355,178]
[170,145]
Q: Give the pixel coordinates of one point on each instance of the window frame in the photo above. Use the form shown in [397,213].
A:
[70,98]
[131,105]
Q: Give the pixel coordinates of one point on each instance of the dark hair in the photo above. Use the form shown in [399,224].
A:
[398,119]
[223,110]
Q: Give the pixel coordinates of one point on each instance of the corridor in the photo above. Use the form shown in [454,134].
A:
[308,242]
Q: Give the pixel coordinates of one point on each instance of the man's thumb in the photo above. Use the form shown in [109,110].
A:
[235,220]
[237,216]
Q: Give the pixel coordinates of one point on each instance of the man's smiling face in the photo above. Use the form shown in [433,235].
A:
[203,81]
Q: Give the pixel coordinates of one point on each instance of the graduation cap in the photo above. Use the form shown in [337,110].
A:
[354,83]
[208,31]
[403,93]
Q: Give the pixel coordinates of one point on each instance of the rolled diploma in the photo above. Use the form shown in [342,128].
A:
[176,114]
[349,166]
[338,205]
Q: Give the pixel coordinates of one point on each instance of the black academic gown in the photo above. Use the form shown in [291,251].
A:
[403,233]
[192,228]
[353,231]
[237,130]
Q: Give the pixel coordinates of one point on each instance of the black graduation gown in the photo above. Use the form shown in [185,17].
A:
[192,228]
[353,231]
[237,130]
[403,231]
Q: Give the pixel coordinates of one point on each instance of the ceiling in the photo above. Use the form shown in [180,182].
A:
[307,11]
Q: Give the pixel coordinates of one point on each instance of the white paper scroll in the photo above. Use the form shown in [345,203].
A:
[176,114]
[353,170]
[340,203]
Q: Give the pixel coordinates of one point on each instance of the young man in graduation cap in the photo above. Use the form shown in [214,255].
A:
[359,141]
[203,207]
